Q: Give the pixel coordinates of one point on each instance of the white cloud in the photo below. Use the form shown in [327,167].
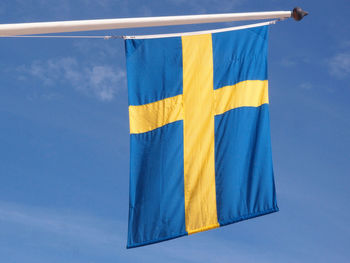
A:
[103,81]
[339,65]
[100,81]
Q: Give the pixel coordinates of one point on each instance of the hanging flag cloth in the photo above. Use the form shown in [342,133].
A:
[200,149]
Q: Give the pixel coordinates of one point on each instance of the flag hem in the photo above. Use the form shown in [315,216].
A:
[235,220]
[249,216]
[155,241]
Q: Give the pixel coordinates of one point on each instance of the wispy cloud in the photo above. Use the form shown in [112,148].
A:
[291,61]
[345,44]
[77,227]
[306,86]
[101,81]
[92,233]
[288,62]
[339,65]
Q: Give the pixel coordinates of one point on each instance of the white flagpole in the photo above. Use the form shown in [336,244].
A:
[104,24]
[272,22]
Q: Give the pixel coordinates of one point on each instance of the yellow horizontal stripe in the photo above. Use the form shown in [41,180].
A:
[147,117]
[249,93]
[199,163]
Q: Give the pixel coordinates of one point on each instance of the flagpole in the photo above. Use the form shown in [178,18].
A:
[119,23]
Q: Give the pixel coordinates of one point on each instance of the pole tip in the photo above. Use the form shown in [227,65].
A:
[298,13]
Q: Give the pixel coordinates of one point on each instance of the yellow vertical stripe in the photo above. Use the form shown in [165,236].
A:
[198,103]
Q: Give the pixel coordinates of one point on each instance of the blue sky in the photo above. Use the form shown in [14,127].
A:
[64,150]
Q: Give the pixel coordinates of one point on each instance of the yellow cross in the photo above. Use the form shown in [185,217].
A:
[197,107]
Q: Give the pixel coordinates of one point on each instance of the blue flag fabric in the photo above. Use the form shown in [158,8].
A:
[200,134]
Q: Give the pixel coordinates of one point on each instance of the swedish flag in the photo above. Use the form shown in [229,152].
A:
[200,137]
